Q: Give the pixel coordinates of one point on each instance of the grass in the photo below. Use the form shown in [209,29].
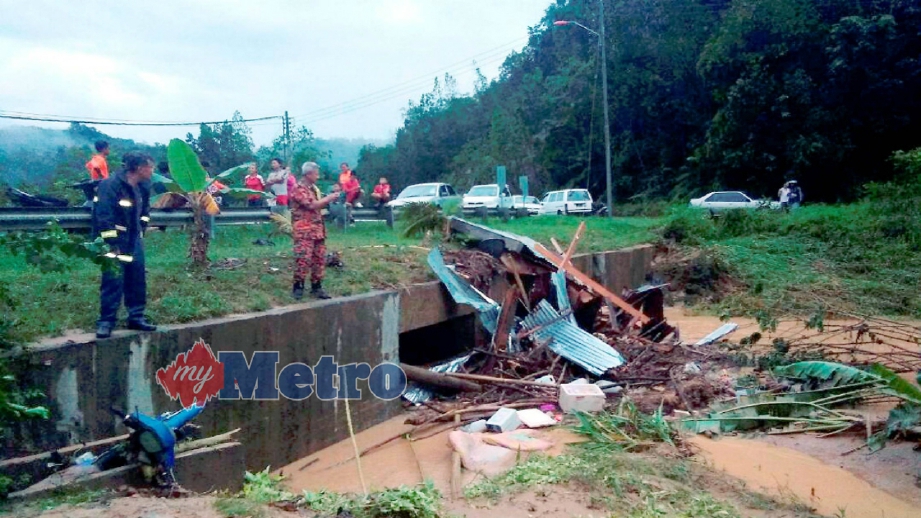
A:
[72,497]
[375,257]
[660,482]
[851,257]
[261,489]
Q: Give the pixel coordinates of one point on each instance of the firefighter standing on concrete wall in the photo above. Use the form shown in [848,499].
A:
[306,207]
[120,217]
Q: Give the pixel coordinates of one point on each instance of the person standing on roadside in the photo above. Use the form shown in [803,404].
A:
[278,183]
[254,182]
[120,217]
[97,166]
[309,232]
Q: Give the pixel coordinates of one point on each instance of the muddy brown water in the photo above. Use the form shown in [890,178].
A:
[783,472]
[766,467]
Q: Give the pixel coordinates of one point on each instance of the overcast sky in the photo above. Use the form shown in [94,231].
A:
[343,68]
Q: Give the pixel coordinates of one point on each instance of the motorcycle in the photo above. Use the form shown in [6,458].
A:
[151,445]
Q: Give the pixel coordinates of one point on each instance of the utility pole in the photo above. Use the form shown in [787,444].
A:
[287,138]
[607,125]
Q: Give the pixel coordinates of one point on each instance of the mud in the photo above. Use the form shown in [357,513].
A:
[394,464]
[783,472]
[894,469]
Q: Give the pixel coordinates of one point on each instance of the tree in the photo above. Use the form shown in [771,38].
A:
[190,186]
[224,145]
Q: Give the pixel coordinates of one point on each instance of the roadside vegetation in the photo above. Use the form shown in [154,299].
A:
[246,277]
[861,257]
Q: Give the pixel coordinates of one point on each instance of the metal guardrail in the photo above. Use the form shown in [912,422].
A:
[80,218]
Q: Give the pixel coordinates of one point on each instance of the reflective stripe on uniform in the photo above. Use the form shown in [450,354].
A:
[145,219]
[119,227]
[125,203]
[108,233]
[125,258]
[95,199]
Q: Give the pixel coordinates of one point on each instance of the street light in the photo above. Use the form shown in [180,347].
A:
[604,94]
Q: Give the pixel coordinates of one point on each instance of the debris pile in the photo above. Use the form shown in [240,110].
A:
[560,342]
[557,337]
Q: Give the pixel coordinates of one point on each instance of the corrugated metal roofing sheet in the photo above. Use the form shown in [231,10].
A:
[720,332]
[464,293]
[482,231]
[571,342]
[558,279]
[417,394]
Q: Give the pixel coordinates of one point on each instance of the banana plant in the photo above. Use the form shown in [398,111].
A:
[191,187]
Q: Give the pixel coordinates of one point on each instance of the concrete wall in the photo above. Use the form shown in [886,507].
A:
[83,377]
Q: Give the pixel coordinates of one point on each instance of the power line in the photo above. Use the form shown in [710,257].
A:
[85,120]
[371,102]
[464,65]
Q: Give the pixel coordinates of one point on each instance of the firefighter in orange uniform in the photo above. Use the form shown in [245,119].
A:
[306,205]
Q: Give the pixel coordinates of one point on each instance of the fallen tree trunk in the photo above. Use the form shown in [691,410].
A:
[438,379]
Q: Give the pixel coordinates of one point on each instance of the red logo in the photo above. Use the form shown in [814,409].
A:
[194,377]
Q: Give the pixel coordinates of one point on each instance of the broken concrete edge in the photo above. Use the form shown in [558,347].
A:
[204,470]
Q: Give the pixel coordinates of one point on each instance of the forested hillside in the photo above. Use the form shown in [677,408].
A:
[47,161]
[703,94]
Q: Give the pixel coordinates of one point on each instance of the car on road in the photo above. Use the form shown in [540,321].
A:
[724,200]
[531,203]
[486,196]
[435,193]
[568,201]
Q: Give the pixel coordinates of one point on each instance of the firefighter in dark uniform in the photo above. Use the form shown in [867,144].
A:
[120,216]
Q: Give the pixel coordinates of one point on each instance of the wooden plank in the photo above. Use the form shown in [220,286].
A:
[504,323]
[589,282]
[556,245]
[572,244]
[510,264]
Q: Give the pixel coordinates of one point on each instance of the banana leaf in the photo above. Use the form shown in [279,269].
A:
[184,166]
[896,385]
[170,185]
[169,200]
[233,171]
[836,375]
[826,374]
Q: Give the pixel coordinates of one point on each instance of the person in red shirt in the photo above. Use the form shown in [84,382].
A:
[254,182]
[97,166]
[381,194]
[349,183]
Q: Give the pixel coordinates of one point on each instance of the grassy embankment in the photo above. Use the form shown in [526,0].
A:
[859,258]
[49,304]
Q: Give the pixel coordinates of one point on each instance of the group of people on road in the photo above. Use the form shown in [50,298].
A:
[121,215]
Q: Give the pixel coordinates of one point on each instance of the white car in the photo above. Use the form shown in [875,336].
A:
[569,201]
[723,200]
[486,196]
[436,193]
[531,203]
